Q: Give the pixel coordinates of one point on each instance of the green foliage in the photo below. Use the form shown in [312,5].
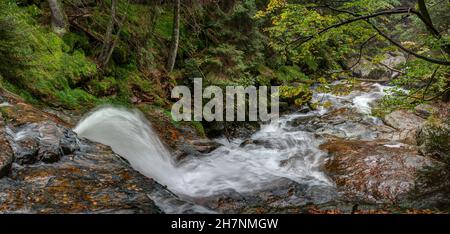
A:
[104,87]
[47,69]
[290,74]
[76,41]
[424,82]
[198,128]
[223,62]
[299,95]
[308,34]
[294,34]
[225,45]
[14,52]
[75,99]
[164,25]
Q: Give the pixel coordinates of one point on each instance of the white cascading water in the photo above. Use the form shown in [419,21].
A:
[232,166]
[130,135]
[276,151]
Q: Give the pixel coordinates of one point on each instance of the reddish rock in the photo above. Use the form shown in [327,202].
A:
[372,170]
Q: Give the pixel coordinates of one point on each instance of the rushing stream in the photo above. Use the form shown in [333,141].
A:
[276,151]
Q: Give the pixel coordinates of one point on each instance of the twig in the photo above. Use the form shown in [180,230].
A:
[429,82]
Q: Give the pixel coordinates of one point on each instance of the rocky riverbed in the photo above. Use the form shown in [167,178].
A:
[348,162]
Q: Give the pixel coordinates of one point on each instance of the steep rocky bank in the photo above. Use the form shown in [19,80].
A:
[46,168]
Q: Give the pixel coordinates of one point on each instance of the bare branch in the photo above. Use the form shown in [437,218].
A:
[397,44]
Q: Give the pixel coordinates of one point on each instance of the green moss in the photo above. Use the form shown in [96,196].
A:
[76,41]
[266,75]
[103,87]
[164,25]
[21,92]
[198,126]
[50,69]
[75,99]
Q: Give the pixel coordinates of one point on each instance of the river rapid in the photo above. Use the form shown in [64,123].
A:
[282,150]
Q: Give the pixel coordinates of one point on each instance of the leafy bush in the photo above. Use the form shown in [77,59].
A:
[289,74]
[299,95]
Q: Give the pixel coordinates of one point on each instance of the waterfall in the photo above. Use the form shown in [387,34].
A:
[281,153]
[130,135]
[283,149]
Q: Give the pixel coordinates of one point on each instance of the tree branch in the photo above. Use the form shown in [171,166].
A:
[358,18]
[361,48]
[397,44]
[425,17]
[430,82]
[367,19]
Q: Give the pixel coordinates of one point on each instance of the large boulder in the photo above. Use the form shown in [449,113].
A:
[280,196]
[425,110]
[373,171]
[434,140]
[95,181]
[45,141]
[344,122]
[406,123]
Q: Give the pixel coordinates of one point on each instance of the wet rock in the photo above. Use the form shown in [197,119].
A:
[425,110]
[193,148]
[204,145]
[78,177]
[401,120]
[69,141]
[20,113]
[280,196]
[6,154]
[349,130]
[97,181]
[345,123]
[258,142]
[301,120]
[241,129]
[371,170]
[49,145]
[45,141]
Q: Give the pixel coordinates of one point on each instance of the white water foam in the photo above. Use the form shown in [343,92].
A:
[360,101]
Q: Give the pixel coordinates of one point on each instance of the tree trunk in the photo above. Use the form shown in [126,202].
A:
[59,19]
[425,16]
[175,36]
[108,43]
